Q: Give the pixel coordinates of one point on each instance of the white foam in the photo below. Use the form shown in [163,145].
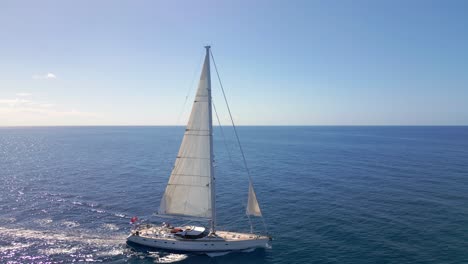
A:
[217,254]
[111,227]
[70,224]
[15,246]
[52,237]
[171,258]
[112,252]
[7,219]
[43,222]
[57,251]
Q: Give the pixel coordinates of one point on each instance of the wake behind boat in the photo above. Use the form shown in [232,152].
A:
[190,191]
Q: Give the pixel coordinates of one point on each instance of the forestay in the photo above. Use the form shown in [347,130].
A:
[188,192]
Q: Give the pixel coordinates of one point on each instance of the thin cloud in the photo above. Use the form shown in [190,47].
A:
[14,102]
[47,111]
[51,76]
[47,76]
[20,105]
[23,94]
[46,105]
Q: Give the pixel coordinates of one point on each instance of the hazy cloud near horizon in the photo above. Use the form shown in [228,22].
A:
[46,76]
[29,112]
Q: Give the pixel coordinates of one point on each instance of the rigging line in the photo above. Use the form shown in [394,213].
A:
[189,89]
[235,131]
[181,217]
[229,153]
[185,224]
[230,115]
[222,133]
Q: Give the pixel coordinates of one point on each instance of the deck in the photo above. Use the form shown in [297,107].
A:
[159,232]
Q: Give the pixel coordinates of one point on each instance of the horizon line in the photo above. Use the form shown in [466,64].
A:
[279,125]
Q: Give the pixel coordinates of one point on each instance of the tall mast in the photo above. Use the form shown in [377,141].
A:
[210,118]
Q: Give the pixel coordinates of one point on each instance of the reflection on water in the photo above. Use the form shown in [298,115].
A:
[47,245]
[71,246]
[330,194]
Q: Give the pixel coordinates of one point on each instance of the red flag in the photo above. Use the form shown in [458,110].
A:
[133,219]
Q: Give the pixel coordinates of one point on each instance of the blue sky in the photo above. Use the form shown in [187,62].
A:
[282,62]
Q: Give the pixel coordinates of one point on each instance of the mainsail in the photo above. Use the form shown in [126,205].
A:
[252,204]
[190,190]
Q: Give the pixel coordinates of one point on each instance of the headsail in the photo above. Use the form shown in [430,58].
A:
[189,190]
[252,204]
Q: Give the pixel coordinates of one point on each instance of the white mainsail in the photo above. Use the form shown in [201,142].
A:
[252,204]
[189,190]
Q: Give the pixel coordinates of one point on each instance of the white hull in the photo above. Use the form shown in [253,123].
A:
[221,242]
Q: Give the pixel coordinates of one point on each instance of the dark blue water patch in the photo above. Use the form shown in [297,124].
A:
[329,194]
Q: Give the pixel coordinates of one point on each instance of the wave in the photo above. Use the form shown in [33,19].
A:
[79,236]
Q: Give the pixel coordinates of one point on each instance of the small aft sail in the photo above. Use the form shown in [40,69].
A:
[252,204]
[188,192]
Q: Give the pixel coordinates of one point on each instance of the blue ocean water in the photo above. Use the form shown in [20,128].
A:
[329,194]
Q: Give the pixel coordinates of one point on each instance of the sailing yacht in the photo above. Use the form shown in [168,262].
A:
[190,192]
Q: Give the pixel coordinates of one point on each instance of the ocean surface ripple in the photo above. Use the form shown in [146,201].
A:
[328,194]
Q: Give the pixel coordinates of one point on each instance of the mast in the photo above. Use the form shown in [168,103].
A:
[210,118]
